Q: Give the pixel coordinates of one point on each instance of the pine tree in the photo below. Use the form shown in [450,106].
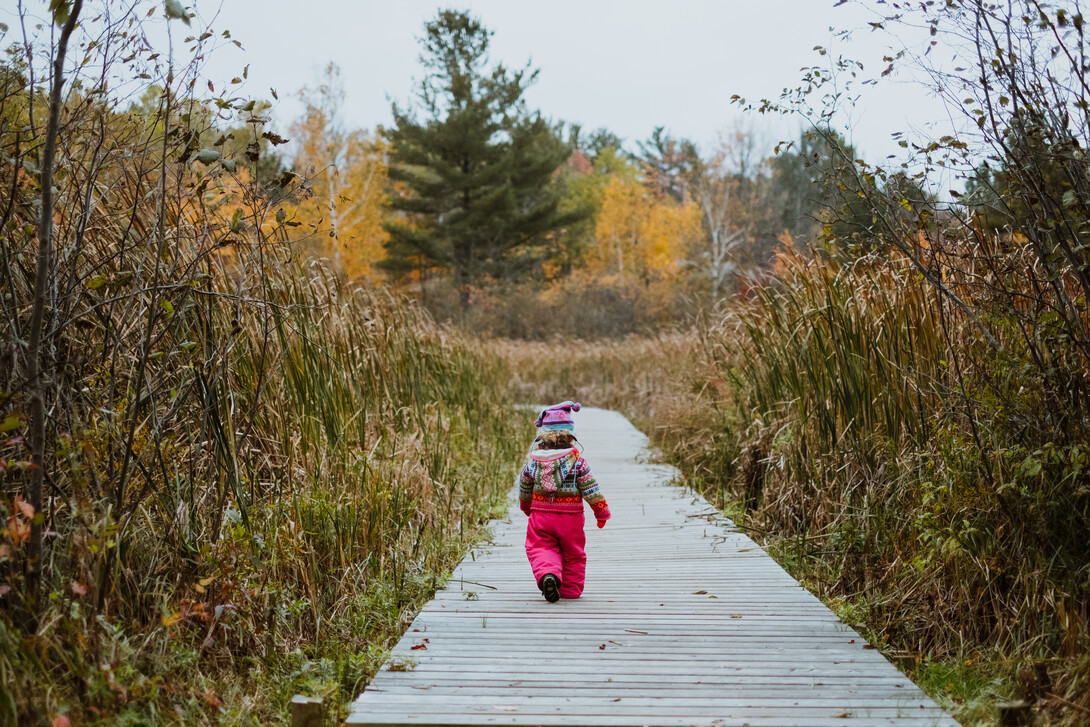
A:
[475,178]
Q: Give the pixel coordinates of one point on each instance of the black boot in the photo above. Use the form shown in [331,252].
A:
[550,587]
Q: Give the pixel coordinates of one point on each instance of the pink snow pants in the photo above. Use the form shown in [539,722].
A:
[554,544]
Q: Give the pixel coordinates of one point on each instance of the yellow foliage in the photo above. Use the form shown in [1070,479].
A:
[640,233]
[347,173]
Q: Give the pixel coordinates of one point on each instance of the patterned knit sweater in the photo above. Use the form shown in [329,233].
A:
[558,480]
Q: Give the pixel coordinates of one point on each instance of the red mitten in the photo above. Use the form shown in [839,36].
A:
[601,512]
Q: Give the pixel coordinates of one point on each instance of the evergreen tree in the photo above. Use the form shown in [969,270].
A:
[668,163]
[818,180]
[477,188]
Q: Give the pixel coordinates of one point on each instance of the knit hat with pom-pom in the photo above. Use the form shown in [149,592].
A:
[558,416]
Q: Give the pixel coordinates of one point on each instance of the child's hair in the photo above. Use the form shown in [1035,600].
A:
[555,439]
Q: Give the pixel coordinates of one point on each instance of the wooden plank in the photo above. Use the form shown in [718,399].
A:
[684,621]
[847,683]
[844,719]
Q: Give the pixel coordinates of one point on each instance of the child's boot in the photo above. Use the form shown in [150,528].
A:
[550,587]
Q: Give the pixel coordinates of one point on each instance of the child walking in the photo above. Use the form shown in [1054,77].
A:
[552,487]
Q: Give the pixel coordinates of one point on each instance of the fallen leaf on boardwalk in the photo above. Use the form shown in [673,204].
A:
[504,708]
[602,647]
[617,699]
[713,596]
[699,593]
[418,647]
[852,641]
[634,631]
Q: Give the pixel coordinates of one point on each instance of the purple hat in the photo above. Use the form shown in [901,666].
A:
[558,416]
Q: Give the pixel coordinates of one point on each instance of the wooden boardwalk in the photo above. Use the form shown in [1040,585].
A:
[684,621]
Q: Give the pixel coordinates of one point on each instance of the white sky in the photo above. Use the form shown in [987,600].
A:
[628,65]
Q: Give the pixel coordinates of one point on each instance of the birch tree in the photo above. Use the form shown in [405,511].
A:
[346,170]
[721,185]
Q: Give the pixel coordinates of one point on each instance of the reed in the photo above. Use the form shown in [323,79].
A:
[256,471]
[912,474]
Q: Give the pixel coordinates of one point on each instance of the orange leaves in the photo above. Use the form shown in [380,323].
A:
[189,611]
[24,507]
[18,528]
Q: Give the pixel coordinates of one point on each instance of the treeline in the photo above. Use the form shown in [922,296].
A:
[518,226]
[227,473]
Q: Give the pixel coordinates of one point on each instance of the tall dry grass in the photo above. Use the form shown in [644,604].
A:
[912,473]
[627,374]
[918,479]
[255,471]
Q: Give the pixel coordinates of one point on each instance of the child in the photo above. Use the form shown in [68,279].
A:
[552,487]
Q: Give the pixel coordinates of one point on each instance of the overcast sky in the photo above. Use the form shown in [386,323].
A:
[627,65]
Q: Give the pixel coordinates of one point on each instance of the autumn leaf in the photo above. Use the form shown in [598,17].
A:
[78,588]
[24,507]
[18,530]
[274,139]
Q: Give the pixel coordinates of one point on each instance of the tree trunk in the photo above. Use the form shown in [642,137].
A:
[36,375]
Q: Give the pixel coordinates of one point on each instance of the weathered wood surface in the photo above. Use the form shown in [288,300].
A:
[684,621]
